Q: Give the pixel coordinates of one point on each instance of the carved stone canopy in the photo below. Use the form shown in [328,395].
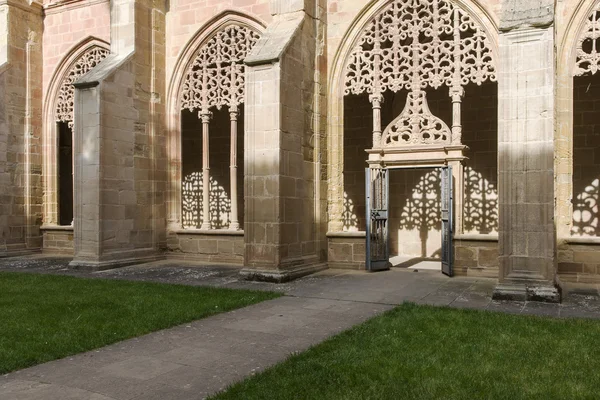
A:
[215,78]
[415,44]
[66,94]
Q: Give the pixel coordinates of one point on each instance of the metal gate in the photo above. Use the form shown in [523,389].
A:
[378,243]
[447,221]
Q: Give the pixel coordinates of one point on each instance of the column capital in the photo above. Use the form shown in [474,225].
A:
[234,112]
[376,100]
[205,115]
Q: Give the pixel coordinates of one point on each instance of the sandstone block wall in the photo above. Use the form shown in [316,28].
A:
[214,247]
[346,251]
[20,127]
[58,241]
[474,257]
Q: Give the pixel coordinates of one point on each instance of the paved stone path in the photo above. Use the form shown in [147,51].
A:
[194,360]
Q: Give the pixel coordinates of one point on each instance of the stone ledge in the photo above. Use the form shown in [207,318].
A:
[209,232]
[278,275]
[582,240]
[19,252]
[65,228]
[476,237]
[96,266]
[345,234]
[524,292]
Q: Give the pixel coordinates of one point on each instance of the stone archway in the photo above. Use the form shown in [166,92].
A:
[576,164]
[407,53]
[206,124]
[58,129]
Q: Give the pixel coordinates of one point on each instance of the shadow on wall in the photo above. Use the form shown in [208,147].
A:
[418,211]
[585,211]
[586,155]
[480,208]
[220,204]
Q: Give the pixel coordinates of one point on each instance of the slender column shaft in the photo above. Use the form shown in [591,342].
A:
[376,101]
[457,94]
[234,223]
[205,115]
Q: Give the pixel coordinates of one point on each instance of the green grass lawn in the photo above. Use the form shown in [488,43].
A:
[421,352]
[45,317]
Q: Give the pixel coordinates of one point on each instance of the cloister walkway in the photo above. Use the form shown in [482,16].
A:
[197,359]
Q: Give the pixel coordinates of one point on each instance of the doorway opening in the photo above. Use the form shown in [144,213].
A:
[415,218]
[409,218]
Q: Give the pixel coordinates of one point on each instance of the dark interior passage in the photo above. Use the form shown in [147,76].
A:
[65,173]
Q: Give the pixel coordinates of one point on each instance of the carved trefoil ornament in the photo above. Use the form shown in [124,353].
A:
[414,45]
[215,78]
[588,57]
[416,125]
[66,94]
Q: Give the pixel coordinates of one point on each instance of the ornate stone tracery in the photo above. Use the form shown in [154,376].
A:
[66,94]
[215,79]
[413,45]
[588,56]
[216,76]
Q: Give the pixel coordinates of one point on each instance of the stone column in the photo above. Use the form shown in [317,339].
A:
[526,152]
[205,115]
[120,177]
[376,101]
[234,224]
[20,127]
[280,216]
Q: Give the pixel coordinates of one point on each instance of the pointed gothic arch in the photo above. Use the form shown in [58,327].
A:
[58,123]
[377,47]
[208,77]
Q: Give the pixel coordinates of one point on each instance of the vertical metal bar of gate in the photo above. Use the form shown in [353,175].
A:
[377,232]
[368,218]
[447,221]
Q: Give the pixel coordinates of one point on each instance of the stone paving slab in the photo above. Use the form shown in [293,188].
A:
[194,360]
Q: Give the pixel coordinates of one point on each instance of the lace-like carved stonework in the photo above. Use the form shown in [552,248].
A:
[216,76]
[588,58]
[414,45]
[423,43]
[416,125]
[66,93]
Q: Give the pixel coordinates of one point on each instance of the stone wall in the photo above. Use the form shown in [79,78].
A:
[214,246]
[66,25]
[346,250]
[20,123]
[475,257]
[58,240]
[120,146]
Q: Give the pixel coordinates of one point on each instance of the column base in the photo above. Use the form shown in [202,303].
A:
[524,292]
[103,265]
[280,275]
